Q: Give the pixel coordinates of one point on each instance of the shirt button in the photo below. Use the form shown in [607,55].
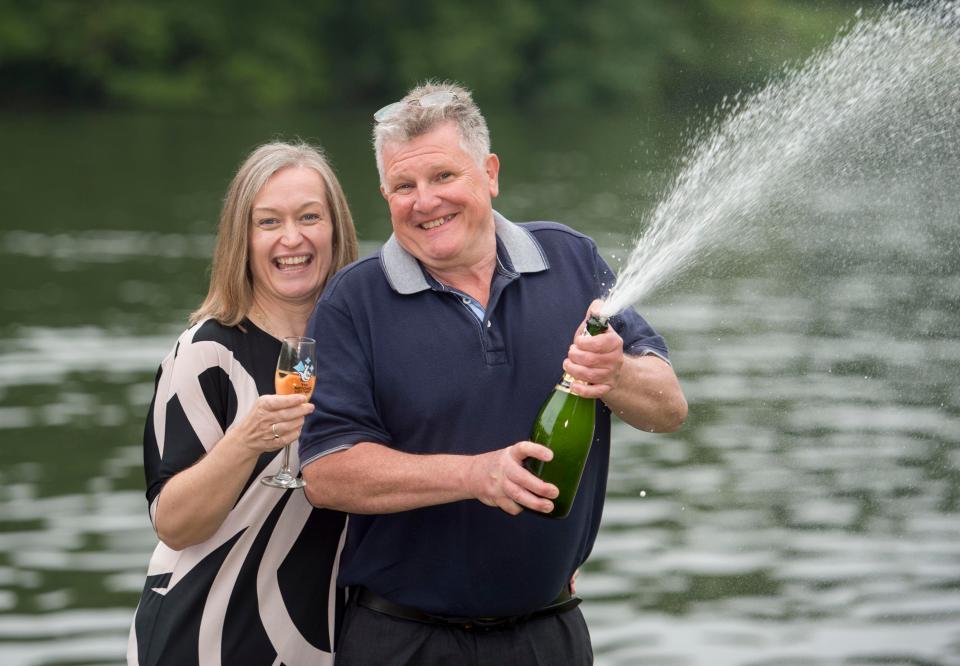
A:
[466,300]
[488,323]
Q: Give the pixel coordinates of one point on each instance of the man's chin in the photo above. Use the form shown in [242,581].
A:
[438,253]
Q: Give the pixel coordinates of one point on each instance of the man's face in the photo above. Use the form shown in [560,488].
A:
[440,199]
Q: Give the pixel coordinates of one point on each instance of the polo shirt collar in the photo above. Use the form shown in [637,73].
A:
[406,276]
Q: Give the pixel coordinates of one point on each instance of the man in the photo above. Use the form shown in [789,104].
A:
[434,358]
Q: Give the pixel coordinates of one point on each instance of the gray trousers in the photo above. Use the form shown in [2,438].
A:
[370,638]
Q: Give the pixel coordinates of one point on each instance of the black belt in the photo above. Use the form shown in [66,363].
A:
[375,602]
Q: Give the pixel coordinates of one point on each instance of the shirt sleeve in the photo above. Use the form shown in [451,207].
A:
[639,338]
[346,411]
[188,414]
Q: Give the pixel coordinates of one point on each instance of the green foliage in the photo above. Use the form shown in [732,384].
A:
[241,55]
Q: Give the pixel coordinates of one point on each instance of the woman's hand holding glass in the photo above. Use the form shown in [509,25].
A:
[275,422]
[295,376]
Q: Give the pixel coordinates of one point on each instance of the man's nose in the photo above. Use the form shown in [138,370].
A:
[426,199]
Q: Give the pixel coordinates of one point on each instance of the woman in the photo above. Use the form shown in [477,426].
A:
[244,573]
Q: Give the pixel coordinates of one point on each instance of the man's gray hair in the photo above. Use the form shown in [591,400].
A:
[409,119]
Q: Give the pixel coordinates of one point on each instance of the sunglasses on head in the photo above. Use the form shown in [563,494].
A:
[438,98]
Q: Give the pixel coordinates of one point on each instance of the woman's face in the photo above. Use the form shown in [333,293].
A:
[291,238]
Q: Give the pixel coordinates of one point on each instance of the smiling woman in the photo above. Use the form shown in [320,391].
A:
[244,573]
[291,242]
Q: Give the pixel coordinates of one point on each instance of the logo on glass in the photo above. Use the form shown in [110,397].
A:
[304,369]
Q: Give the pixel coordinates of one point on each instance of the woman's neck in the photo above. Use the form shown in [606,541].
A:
[281,320]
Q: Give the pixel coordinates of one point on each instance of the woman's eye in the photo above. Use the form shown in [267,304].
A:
[311,218]
[267,222]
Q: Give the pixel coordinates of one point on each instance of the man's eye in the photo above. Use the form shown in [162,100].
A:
[445,175]
[403,187]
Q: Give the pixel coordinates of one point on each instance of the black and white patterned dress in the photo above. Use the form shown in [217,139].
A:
[262,589]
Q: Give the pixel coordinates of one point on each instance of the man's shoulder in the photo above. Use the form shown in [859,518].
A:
[555,231]
[554,238]
[356,275]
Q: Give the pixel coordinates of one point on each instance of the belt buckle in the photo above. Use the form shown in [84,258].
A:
[485,623]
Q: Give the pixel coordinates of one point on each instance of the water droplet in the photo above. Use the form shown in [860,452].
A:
[864,110]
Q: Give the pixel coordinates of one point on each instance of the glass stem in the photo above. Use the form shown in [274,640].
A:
[285,462]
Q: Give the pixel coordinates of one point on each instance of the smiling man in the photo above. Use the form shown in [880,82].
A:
[433,360]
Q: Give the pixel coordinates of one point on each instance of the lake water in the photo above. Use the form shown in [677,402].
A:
[807,513]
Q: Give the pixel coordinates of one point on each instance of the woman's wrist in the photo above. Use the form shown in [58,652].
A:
[238,448]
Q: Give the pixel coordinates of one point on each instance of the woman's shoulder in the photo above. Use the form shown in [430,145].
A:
[209,329]
[213,343]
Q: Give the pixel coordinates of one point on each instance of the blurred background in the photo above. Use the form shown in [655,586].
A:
[806,514]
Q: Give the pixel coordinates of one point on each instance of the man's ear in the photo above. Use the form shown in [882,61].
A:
[491,166]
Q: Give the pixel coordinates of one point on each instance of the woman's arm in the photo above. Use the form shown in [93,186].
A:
[194,503]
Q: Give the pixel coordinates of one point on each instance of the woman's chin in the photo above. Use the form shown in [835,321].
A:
[295,292]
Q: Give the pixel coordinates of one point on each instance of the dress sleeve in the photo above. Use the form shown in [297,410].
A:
[639,338]
[189,412]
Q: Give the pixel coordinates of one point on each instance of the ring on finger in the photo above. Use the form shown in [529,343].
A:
[276,433]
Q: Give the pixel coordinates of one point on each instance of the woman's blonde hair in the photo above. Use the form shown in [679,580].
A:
[231,285]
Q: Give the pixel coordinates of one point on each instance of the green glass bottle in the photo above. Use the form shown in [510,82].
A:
[565,425]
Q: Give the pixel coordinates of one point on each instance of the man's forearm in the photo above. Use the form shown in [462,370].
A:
[372,478]
[648,395]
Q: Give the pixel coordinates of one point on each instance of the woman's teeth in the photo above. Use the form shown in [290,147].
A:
[292,261]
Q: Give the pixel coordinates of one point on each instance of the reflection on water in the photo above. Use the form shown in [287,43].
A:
[108,246]
[806,514]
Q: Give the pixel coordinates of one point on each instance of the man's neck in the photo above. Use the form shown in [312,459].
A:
[472,270]
[473,280]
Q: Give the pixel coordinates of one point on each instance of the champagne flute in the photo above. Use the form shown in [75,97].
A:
[296,369]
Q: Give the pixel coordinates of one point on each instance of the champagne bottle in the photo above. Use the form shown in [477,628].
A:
[565,425]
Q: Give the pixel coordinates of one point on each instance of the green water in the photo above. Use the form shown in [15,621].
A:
[807,513]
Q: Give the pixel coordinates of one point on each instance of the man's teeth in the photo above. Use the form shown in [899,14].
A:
[292,261]
[433,224]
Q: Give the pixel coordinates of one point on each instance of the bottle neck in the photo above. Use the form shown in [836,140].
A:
[596,325]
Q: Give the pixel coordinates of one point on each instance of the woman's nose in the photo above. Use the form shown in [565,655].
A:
[291,233]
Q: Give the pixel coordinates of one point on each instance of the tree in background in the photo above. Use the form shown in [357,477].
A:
[222,56]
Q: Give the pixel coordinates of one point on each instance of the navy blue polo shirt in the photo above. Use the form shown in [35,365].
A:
[402,361]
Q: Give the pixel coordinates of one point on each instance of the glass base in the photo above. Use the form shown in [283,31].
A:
[283,481]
